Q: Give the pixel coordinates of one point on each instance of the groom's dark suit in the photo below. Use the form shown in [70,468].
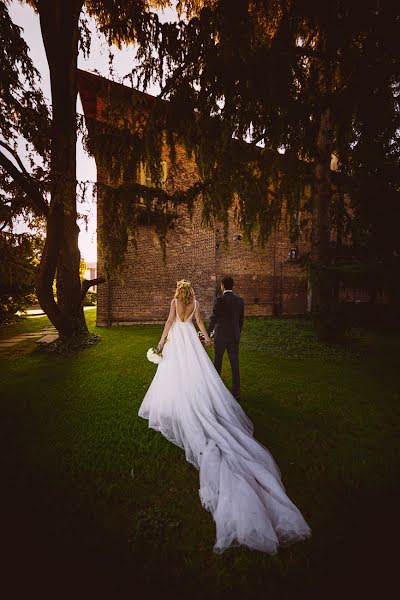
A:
[227,320]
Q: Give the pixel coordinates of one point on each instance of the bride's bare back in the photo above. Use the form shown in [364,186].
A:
[184,311]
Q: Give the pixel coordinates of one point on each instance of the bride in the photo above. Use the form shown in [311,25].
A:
[188,403]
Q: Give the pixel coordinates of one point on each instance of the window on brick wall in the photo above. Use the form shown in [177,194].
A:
[145,175]
[294,226]
[293,253]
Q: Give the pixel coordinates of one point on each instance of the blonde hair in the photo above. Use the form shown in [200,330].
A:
[184,291]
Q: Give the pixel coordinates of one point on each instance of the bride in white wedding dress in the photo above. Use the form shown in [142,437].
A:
[188,403]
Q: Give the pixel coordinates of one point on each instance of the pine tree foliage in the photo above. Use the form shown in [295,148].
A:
[23,116]
[304,80]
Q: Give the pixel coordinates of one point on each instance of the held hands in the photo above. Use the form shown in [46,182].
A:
[204,338]
[160,345]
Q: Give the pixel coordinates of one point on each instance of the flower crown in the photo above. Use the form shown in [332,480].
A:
[183,283]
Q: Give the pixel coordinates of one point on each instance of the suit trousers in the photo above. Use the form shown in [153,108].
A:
[232,348]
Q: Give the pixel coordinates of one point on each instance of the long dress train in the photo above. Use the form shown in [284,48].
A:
[240,483]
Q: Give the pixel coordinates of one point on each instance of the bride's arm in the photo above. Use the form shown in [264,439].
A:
[200,324]
[167,326]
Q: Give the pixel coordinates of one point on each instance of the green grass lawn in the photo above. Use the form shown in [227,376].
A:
[96,503]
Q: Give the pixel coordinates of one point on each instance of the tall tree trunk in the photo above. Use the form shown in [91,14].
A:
[322,192]
[339,238]
[61,256]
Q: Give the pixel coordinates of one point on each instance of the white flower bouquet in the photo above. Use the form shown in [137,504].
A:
[154,355]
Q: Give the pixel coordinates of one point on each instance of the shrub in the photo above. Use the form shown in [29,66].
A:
[333,321]
[90,299]
[17,273]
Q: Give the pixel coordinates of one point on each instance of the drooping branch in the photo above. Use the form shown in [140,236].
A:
[159,194]
[16,157]
[22,178]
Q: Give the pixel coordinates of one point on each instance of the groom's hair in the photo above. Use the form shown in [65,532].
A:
[227,282]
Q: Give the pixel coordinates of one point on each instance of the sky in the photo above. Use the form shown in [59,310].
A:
[124,60]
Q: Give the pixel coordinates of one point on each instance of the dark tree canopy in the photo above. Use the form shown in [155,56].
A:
[263,94]
[304,78]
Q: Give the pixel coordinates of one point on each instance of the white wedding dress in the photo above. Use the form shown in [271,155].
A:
[240,483]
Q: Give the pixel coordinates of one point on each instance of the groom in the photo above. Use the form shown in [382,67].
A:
[227,320]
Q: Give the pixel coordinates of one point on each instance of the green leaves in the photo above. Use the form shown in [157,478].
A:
[19,259]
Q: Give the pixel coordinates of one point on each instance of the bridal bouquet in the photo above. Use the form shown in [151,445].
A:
[154,356]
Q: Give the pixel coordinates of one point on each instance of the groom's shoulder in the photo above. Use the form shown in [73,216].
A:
[239,299]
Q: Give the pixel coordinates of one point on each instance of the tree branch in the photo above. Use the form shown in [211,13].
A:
[88,283]
[156,193]
[24,180]
[15,155]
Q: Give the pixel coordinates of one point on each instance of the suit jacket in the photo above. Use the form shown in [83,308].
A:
[227,317]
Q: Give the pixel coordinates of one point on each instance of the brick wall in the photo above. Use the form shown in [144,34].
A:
[265,278]
[148,282]
[268,282]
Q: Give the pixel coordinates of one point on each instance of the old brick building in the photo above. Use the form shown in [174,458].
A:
[269,279]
